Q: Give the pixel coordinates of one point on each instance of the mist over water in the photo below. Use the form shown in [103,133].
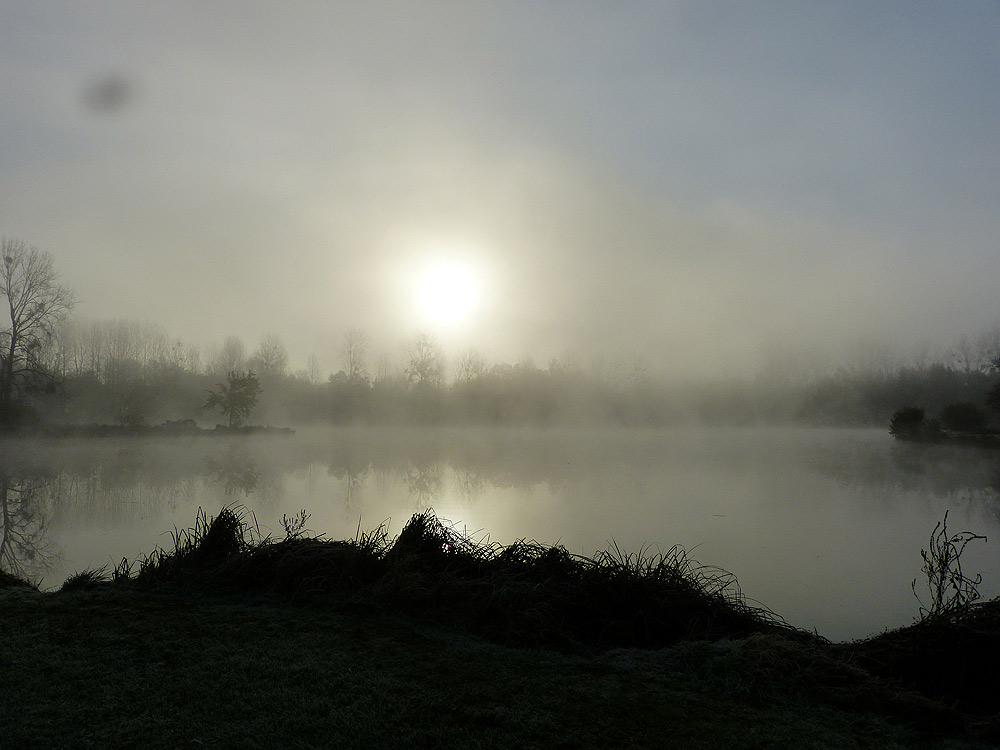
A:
[824,527]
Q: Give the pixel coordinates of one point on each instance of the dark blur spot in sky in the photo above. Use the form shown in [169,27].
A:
[110,94]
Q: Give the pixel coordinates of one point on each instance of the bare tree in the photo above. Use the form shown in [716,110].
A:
[471,366]
[37,303]
[386,373]
[963,357]
[425,362]
[132,347]
[354,354]
[988,348]
[93,357]
[270,360]
[231,357]
[191,357]
[313,372]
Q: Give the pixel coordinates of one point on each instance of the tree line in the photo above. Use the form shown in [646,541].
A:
[965,419]
[57,368]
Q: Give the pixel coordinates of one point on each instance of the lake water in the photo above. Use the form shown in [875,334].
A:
[824,527]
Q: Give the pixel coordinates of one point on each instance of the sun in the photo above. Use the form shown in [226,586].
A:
[448,293]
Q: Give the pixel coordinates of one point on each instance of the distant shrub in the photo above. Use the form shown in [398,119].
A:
[963,417]
[993,397]
[908,423]
[933,430]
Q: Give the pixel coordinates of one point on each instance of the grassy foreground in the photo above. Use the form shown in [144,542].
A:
[432,640]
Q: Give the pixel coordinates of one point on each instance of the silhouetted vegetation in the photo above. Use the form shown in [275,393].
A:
[908,423]
[167,382]
[36,304]
[236,398]
[951,591]
[525,593]
[935,676]
[960,421]
[136,374]
[963,417]
[530,594]
[505,394]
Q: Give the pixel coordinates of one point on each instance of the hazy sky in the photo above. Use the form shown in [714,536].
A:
[708,183]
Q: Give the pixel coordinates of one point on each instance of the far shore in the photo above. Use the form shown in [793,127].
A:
[184,427]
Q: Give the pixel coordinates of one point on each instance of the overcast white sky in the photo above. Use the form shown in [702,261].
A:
[707,183]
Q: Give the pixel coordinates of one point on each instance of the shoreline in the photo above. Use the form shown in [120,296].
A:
[184,428]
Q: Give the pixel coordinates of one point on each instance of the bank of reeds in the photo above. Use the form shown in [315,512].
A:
[523,593]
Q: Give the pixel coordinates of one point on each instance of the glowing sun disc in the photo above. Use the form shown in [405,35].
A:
[448,293]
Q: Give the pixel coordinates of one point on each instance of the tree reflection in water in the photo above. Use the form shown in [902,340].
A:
[25,550]
[352,469]
[469,484]
[353,484]
[236,471]
[424,485]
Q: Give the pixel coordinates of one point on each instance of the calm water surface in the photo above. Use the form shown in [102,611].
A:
[824,527]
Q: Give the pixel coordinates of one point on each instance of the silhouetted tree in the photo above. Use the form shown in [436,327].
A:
[36,304]
[270,360]
[993,395]
[471,366]
[230,358]
[425,362]
[993,398]
[963,417]
[908,422]
[236,398]
[312,371]
[354,354]
[132,399]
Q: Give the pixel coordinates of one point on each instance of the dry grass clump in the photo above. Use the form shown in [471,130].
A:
[228,553]
[203,548]
[86,579]
[524,593]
